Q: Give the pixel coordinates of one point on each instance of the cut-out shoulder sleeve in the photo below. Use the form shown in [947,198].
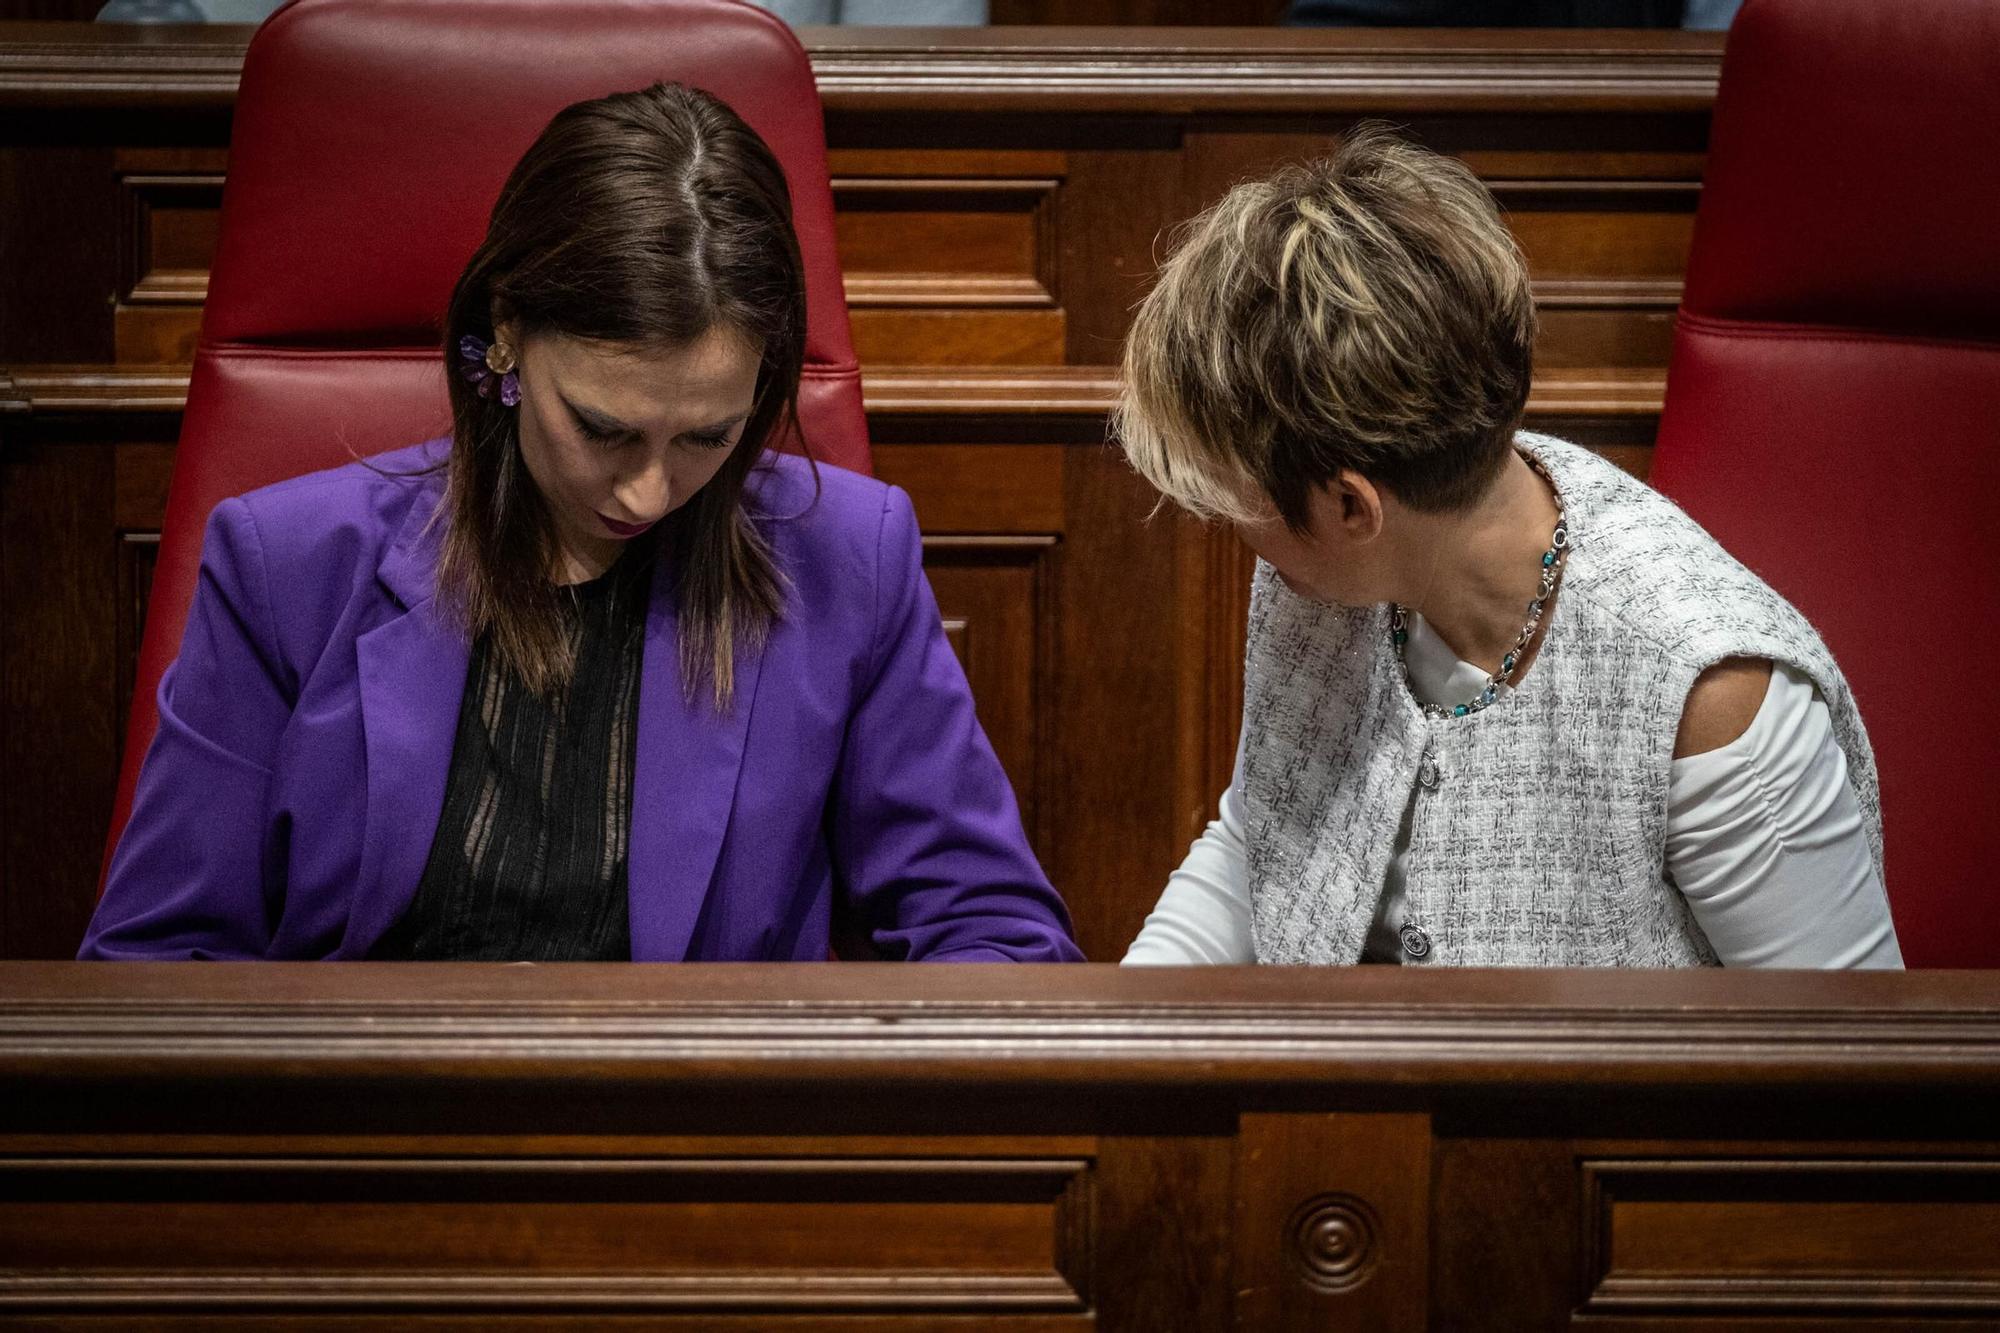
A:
[1765,838]
[1725,700]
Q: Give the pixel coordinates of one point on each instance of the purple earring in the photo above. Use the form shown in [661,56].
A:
[489,367]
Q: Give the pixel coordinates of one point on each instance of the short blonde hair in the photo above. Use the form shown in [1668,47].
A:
[1369,311]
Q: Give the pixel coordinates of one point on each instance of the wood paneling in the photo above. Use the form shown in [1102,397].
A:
[1159,1213]
[170,202]
[1155,1150]
[1515,76]
[1103,641]
[993,594]
[1522,1255]
[989,237]
[948,337]
[1332,1218]
[965,492]
[1001,199]
[59,247]
[1001,196]
[1792,1236]
[559,1237]
[59,674]
[956,266]
[138,555]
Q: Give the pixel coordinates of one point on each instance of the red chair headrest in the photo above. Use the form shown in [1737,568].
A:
[1851,177]
[1832,402]
[371,138]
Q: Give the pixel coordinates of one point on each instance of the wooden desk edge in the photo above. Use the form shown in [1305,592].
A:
[1032,1026]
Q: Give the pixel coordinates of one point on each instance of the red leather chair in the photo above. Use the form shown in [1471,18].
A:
[1833,406]
[371,138]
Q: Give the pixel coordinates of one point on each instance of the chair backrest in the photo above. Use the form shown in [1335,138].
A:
[1833,405]
[371,138]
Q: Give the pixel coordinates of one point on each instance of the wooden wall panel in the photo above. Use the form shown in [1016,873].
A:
[964,268]
[950,256]
[1332,1222]
[170,203]
[1519,1249]
[455,1235]
[965,492]
[58,680]
[993,522]
[1103,642]
[1159,1212]
[1001,199]
[990,240]
[1122,197]
[1147,1150]
[1096,691]
[59,247]
[1118,664]
[958,337]
[1023,240]
[993,594]
[1791,1235]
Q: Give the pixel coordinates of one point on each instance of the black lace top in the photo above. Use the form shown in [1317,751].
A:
[529,859]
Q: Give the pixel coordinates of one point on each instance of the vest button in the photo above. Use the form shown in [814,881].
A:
[1428,775]
[1415,943]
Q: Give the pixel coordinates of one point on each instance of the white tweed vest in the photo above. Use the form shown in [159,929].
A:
[1538,830]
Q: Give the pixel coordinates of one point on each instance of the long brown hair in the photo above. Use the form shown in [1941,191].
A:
[645,218]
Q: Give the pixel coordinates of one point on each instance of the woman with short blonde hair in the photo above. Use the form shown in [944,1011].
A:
[1503,704]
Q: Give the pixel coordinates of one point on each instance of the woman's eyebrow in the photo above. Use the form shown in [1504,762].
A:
[723,425]
[596,420]
[610,425]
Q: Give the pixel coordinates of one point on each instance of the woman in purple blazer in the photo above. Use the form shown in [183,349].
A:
[597,676]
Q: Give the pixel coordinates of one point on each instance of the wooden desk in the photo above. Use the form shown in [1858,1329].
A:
[1030,1148]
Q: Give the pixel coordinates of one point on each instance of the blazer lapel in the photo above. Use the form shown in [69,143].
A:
[412,680]
[684,790]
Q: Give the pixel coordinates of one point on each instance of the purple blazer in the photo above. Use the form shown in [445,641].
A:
[287,805]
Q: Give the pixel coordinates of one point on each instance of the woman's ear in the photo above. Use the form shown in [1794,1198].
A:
[1357,506]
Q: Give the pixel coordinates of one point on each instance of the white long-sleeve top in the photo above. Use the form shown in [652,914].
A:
[1764,837]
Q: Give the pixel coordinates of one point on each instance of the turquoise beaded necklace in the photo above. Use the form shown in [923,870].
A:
[1553,561]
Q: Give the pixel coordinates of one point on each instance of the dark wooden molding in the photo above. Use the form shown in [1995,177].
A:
[1258,70]
[77,66]
[1001,195]
[1609,392]
[1136,1149]
[268,1292]
[274,1287]
[961,391]
[1040,1026]
[920,391]
[1123,71]
[101,390]
[1900,1279]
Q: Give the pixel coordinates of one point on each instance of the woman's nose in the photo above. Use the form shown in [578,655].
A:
[645,493]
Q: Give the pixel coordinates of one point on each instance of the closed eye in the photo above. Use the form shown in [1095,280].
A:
[597,436]
[595,430]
